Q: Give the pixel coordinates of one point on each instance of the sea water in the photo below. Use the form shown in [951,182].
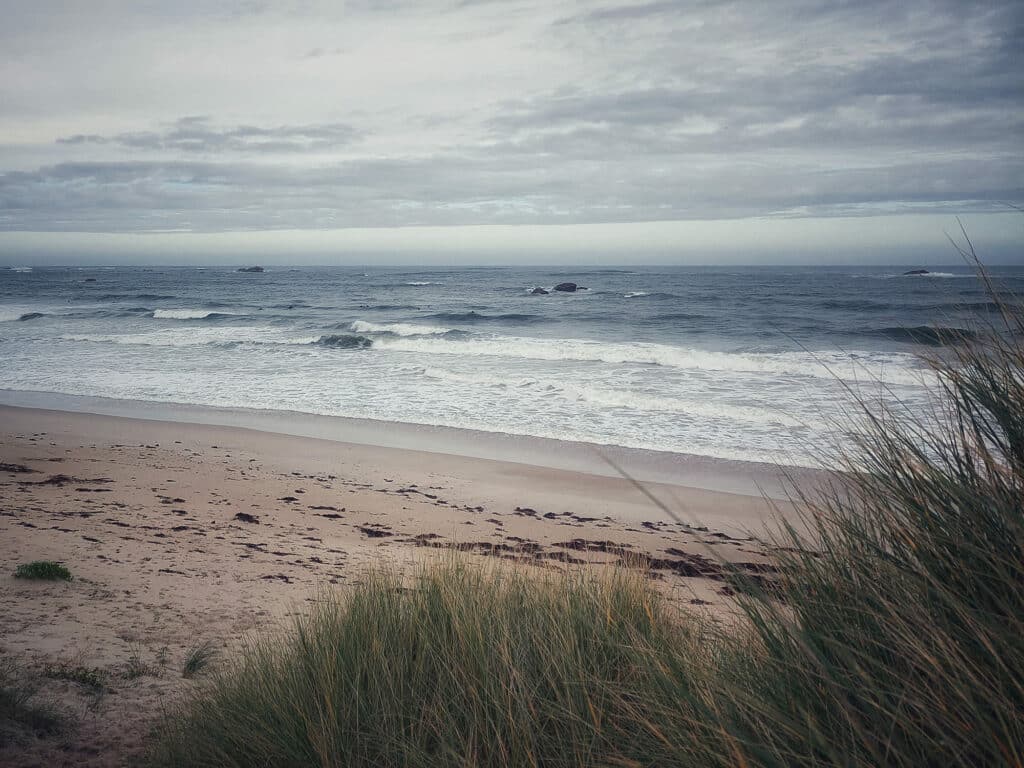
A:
[755,363]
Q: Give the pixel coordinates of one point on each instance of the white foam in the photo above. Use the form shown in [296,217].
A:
[629,400]
[21,269]
[641,401]
[635,294]
[867,367]
[398,329]
[421,282]
[188,314]
[475,379]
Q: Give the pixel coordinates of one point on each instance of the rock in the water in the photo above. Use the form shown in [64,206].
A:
[30,316]
[539,292]
[917,272]
[567,287]
[90,279]
[250,269]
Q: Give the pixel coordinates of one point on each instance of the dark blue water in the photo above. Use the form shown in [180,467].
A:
[739,363]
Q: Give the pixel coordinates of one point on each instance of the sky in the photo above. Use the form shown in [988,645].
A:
[512,131]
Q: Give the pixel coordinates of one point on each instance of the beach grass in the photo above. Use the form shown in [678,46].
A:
[91,678]
[198,658]
[45,570]
[464,663]
[22,713]
[896,636]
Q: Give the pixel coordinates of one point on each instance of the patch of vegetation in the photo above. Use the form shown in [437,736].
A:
[136,667]
[21,712]
[898,641]
[198,658]
[92,678]
[43,570]
[474,665]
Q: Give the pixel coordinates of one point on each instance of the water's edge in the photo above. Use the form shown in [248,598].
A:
[693,471]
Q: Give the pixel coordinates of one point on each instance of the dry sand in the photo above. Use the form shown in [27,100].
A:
[180,533]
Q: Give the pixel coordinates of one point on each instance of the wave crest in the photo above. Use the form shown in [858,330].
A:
[190,314]
[397,329]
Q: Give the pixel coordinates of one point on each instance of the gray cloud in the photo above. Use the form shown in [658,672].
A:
[528,113]
[627,12]
[197,134]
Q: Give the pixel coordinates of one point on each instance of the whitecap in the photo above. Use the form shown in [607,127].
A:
[398,329]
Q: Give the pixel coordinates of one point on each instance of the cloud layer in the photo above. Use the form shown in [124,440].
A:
[223,117]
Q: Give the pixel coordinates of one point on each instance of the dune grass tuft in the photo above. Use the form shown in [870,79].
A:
[467,664]
[43,570]
[21,713]
[898,641]
[198,658]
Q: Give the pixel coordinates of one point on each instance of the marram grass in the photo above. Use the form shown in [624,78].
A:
[465,664]
[898,639]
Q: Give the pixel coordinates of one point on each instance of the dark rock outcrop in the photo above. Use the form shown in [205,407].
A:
[567,287]
[250,269]
[539,292]
[917,272]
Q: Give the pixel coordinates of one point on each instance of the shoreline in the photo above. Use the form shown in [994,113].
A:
[693,471]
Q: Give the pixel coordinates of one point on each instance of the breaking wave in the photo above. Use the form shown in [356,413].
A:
[190,314]
[397,329]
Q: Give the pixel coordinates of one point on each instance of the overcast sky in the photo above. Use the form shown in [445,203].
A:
[509,129]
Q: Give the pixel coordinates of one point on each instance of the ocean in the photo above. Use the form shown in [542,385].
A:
[754,364]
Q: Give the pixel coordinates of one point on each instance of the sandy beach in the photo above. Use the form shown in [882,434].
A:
[179,533]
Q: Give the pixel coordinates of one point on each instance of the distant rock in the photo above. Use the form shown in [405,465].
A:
[250,269]
[567,287]
[539,292]
[917,272]
[30,316]
[90,280]
[245,517]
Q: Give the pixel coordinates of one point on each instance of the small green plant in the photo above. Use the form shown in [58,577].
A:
[197,658]
[92,678]
[136,667]
[43,570]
